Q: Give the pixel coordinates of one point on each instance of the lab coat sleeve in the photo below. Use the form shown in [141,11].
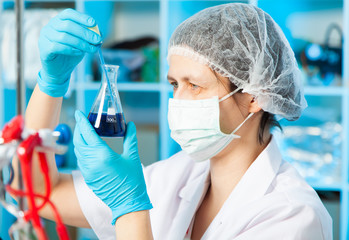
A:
[97,213]
[290,222]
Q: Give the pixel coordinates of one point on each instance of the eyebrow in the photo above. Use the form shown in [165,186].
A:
[186,78]
[170,78]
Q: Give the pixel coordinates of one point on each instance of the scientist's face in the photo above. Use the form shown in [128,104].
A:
[193,81]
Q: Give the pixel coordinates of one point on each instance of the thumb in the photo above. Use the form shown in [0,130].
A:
[87,132]
[130,141]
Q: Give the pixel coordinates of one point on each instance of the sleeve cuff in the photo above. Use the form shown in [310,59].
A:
[53,89]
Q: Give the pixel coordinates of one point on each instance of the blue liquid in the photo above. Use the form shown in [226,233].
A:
[110,125]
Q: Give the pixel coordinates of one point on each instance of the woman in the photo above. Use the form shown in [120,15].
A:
[232,71]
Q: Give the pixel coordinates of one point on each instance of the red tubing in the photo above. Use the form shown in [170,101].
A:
[25,153]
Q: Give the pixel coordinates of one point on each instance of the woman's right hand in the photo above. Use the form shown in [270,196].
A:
[63,43]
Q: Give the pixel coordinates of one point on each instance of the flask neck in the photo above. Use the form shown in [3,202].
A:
[111,71]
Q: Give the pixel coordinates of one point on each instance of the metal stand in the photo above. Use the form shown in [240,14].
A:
[20,85]
[2,191]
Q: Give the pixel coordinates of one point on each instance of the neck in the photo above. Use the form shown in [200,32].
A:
[228,167]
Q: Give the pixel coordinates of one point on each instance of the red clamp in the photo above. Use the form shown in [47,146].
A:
[12,130]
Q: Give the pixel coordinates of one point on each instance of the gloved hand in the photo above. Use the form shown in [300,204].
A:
[116,179]
[63,43]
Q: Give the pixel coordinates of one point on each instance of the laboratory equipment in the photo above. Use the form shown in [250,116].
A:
[138,59]
[22,230]
[323,62]
[16,139]
[315,151]
[106,115]
[33,21]
[65,137]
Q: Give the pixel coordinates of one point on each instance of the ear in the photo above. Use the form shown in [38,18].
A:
[254,107]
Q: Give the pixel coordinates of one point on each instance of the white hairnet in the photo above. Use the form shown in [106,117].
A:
[243,43]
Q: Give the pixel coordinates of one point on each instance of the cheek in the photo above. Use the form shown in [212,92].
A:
[228,117]
[224,121]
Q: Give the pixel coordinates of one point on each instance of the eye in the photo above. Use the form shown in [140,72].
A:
[174,84]
[194,87]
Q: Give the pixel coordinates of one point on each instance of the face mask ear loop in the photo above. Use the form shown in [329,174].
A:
[248,117]
[229,94]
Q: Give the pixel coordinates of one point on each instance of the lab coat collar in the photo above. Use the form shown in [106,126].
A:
[259,176]
[197,181]
[192,194]
[252,186]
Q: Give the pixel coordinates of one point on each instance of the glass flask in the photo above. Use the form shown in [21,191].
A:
[106,115]
[22,230]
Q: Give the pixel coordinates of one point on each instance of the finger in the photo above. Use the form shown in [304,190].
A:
[56,48]
[79,145]
[87,132]
[69,40]
[78,155]
[130,141]
[82,161]
[76,30]
[78,140]
[78,17]
[84,152]
[83,164]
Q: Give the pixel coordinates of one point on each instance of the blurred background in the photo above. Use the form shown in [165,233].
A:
[136,33]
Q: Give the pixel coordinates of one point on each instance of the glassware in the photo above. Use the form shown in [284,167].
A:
[106,115]
[315,151]
[22,230]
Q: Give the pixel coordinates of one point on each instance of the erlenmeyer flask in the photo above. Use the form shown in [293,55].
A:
[106,115]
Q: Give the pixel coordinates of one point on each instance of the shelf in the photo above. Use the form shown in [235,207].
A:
[327,187]
[66,170]
[324,91]
[13,85]
[123,87]
[128,87]
[43,1]
[216,1]
[73,1]
[155,87]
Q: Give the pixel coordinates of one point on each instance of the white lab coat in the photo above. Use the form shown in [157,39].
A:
[271,201]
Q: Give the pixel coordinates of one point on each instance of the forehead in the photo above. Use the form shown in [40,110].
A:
[181,67]
[185,68]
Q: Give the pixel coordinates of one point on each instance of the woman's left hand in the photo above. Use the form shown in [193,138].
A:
[116,179]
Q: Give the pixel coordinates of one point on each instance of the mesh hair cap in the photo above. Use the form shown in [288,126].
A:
[243,43]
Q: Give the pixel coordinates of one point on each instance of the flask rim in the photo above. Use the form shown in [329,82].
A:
[111,66]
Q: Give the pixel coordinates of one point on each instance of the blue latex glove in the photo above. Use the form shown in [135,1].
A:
[63,43]
[116,179]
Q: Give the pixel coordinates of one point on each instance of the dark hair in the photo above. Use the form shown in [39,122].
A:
[268,120]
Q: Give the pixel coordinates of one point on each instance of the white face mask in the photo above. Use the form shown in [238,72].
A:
[194,125]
